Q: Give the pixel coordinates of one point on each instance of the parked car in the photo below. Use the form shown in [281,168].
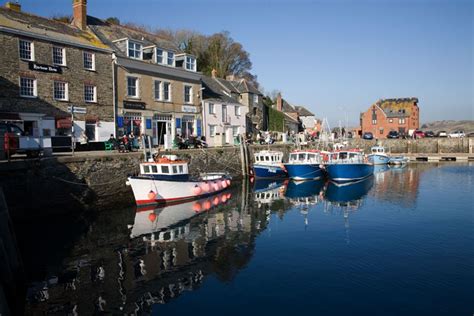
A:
[368,135]
[393,134]
[418,134]
[15,132]
[429,134]
[442,134]
[457,134]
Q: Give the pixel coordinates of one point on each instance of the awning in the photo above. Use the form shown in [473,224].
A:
[6,116]
[63,123]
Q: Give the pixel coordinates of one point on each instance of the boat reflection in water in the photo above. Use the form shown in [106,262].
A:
[346,198]
[304,194]
[267,191]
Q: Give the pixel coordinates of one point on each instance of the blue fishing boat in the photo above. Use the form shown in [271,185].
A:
[378,156]
[269,164]
[304,165]
[348,165]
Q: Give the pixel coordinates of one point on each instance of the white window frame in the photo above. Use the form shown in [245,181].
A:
[255,98]
[94,91]
[173,58]
[169,91]
[237,110]
[35,90]
[212,130]
[401,121]
[190,101]
[160,91]
[234,129]
[63,56]
[32,49]
[135,45]
[190,61]
[212,108]
[84,53]
[162,56]
[374,122]
[66,91]
[137,87]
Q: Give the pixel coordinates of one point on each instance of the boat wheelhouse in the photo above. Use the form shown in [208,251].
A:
[378,156]
[348,165]
[269,164]
[166,179]
[304,165]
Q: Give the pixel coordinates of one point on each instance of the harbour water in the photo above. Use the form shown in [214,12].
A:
[398,243]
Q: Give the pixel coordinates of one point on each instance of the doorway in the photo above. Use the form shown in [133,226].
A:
[161,131]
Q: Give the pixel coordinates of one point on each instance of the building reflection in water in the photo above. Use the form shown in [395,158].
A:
[131,259]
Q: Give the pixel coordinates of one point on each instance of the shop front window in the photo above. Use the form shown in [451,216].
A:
[132,123]
[90,130]
[187,126]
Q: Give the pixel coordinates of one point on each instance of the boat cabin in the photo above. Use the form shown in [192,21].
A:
[268,157]
[377,150]
[305,157]
[349,156]
[166,167]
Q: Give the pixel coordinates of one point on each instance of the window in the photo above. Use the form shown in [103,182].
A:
[146,169]
[374,122]
[27,87]
[90,129]
[237,110]
[134,50]
[60,90]
[157,89]
[390,120]
[59,56]
[154,169]
[212,108]
[190,63]
[159,56]
[165,169]
[89,60]
[235,131]
[170,59]
[26,50]
[224,113]
[188,94]
[255,98]
[132,87]
[401,121]
[381,131]
[181,169]
[212,130]
[166,91]
[90,93]
[175,169]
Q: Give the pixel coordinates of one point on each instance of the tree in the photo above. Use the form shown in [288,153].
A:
[113,20]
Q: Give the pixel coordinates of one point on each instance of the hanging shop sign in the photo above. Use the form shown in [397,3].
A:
[45,68]
[134,105]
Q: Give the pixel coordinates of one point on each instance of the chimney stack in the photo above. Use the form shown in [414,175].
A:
[214,73]
[14,6]
[279,102]
[79,8]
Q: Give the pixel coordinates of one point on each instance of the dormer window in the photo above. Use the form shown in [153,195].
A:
[134,50]
[159,56]
[190,63]
[170,60]
[255,98]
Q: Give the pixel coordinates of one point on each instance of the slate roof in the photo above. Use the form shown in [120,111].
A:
[228,85]
[302,111]
[246,87]
[213,90]
[108,33]
[27,24]
[286,107]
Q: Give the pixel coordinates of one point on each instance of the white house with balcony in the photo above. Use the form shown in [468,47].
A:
[224,118]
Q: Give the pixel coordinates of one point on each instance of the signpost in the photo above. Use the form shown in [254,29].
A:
[79,110]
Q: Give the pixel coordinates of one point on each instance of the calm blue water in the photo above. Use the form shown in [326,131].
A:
[400,243]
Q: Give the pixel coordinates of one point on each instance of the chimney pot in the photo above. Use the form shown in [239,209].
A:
[14,6]
[79,8]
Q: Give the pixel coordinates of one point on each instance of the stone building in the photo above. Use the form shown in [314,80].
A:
[292,118]
[385,115]
[157,87]
[224,118]
[47,66]
[308,120]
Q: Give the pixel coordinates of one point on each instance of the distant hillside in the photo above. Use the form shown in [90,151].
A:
[449,126]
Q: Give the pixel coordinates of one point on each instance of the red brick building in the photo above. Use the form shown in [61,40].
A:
[401,115]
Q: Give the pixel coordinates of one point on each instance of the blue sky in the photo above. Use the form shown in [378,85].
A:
[334,57]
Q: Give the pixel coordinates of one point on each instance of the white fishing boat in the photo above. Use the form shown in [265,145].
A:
[398,160]
[378,156]
[166,179]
